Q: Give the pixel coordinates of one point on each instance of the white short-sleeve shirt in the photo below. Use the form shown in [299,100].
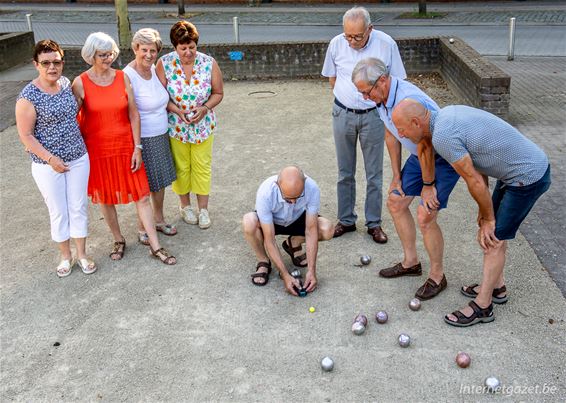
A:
[341,59]
[272,208]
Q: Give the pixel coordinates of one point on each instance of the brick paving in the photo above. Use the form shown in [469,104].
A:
[537,109]
[538,97]
[298,17]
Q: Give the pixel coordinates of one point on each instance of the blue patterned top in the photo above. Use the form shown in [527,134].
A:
[496,148]
[56,126]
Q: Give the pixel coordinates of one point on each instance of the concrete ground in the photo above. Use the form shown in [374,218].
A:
[140,331]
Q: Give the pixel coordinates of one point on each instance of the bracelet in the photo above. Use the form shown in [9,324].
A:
[206,106]
[49,159]
[429,183]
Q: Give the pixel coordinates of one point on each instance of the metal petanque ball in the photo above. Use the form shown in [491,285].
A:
[415,304]
[327,364]
[381,317]
[463,360]
[365,260]
[358,328]
[404,340]
[492,384]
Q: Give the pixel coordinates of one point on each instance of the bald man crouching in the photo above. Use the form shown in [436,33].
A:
[287,204]
[478,145]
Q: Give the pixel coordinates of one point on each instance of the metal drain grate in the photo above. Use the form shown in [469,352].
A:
[262,94]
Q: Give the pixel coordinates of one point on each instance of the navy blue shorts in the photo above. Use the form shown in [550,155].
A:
[511,204]
[296,228]
[445,177]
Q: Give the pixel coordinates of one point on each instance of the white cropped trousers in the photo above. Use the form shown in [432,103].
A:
[65,195]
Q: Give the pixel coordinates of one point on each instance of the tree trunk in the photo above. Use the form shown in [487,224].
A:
[181,5]
[422,7]
[124,28]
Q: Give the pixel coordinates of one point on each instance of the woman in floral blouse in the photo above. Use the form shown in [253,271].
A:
[194,83]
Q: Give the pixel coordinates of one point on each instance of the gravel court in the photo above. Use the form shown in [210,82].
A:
[138,330]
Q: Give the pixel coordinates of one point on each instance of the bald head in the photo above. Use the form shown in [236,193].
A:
[291,180]
[411,119]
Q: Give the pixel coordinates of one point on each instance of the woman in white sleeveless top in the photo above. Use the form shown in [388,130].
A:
[151,100]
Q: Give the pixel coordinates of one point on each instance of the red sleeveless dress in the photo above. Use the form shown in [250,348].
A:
[105,125]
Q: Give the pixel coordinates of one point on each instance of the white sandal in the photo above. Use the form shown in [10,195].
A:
[64,268]
[87,266]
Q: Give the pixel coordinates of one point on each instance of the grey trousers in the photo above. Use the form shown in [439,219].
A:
[368,127]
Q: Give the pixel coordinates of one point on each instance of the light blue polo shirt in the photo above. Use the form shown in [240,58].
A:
[341,59]
[272,208]
[496,148]
[398,91]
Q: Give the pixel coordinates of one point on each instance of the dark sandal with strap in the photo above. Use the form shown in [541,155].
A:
[297,260]
[164,256]
[480,315]
[263,275]
[118,250]
[469,292]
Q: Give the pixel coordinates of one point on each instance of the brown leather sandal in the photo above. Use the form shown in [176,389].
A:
[118,250]
[262,274]
[471,293]
[297,260]
[164,256]
[480,315]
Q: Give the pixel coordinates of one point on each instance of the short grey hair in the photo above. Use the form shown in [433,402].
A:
[356,13]
[98,41]
[369,70]
[147,36]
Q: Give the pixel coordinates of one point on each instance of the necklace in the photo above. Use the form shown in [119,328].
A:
[144,73]
[103,79]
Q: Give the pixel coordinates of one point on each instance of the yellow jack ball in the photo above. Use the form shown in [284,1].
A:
[311,309]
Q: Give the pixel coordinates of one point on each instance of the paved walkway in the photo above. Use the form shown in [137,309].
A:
[200,331]
[538,84]
[538,106]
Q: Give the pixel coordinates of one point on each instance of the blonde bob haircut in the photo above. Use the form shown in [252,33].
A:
[147,36]
[98,41]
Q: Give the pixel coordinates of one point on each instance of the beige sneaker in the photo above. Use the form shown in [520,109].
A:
[188,215]
[203,219]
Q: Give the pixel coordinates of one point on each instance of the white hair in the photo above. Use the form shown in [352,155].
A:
[147,36]
[369,70]
[356,13]
[98,41]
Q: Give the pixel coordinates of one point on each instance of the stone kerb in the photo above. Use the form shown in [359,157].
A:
[15,48]
[477,80]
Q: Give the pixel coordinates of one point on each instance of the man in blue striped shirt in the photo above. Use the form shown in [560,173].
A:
[372,79]
[479,145]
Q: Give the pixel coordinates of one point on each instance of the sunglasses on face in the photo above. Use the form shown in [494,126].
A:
[46,63]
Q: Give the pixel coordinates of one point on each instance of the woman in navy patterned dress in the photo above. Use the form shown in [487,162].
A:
[46,120]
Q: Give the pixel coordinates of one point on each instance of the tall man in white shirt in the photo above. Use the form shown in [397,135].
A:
[355,117]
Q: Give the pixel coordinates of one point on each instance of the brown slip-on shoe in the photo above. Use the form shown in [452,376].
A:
[341,229]
[398,270]
[430,289]
[377,234]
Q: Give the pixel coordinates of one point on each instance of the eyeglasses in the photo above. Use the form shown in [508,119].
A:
[105,55]
[290,199]
[366,93]
[46,63]
[357,37]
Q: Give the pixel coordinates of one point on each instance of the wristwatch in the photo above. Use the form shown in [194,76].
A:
[139,146]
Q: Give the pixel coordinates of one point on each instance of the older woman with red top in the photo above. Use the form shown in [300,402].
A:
[194,83]
[110,124]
